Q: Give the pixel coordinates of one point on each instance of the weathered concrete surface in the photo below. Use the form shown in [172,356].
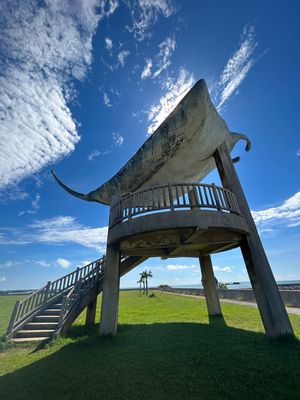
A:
[202,220]
[270,304]
[189,136]
[210,286]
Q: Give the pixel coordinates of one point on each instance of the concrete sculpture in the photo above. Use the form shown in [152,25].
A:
[160,208]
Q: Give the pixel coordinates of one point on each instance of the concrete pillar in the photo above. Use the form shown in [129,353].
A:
[269,301]
[91,312]
[210,286]
[110,296]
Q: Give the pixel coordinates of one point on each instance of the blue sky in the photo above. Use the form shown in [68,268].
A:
[83,83]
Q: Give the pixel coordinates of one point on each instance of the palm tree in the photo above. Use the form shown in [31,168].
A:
[140,281]
[147,274]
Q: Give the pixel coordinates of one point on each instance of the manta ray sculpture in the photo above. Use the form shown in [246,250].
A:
[180,150]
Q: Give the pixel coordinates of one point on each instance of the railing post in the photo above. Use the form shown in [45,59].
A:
[62,312]
[130,206]
[171,197]
[216,196]
[13,317]
[77,274]
[47,291]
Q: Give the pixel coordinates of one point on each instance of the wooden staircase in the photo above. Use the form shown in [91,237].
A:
[43,326]
[52,309]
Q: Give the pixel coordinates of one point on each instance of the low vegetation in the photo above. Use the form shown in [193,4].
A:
[166,348]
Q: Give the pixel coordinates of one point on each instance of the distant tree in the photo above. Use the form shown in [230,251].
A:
[147,274]
[222,285]
[144,280]
[140,282]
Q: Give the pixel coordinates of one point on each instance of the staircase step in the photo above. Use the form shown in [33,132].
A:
[27,333]
[26,340]
[52,311]
[46,318]
[56,306]
[40,325]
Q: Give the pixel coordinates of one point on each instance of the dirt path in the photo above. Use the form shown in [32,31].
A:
[290,310]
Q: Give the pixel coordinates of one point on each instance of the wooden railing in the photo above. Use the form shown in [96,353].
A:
[29,305]
[173,197]
[80,288]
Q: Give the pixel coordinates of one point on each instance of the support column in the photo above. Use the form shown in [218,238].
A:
[210,287]
[271,307]
[110,296]
[91,312]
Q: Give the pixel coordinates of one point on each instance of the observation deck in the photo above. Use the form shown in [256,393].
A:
[177,220]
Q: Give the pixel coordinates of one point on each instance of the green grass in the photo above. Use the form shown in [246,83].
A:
[6,306]
[166,348]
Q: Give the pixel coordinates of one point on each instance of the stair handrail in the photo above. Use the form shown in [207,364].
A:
[40,298]
[80,288]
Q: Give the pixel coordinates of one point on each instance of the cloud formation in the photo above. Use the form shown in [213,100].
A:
[285,215]
[44,47]
[62,262]
[56,231]
[108,43]
[122,56]
[145,14]
[237,67]
[175,267]
[222,269]
[175,90]
[35,205]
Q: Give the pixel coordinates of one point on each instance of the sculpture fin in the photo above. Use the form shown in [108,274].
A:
[240,136]
[81,196]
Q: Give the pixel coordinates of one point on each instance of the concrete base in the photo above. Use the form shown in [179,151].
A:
[210,287]
[91,312]
[110,297]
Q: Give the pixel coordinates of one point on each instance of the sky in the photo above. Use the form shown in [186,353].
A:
[83,85]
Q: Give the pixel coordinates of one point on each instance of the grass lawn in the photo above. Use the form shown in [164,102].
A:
[166,348]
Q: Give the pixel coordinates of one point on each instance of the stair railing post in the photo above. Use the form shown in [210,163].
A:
[13,318]
[47,292]
[77,274]
[62,312]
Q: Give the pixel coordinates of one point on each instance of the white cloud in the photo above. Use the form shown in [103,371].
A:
[62,262]
[175,267]
[12,193]
[166,49]
[285,215]
[2,278]
[175,91]
[222,269]
[117,139]
[42,263]
[122,56]
[147,69]
[237,67]
[44,47]
[145,13]
[108,43]
[106,100]
[35,205]
[298,153]
[56,231]
[9,264]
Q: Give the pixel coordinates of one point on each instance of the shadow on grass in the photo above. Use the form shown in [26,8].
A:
[162,361]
